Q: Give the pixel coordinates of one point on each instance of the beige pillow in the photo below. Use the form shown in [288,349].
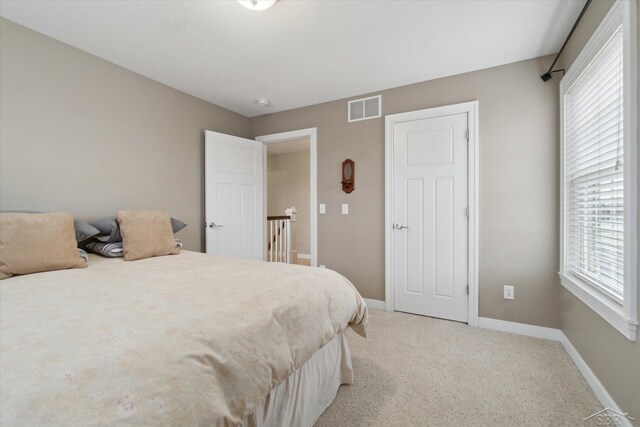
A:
[30,243]
[146,234]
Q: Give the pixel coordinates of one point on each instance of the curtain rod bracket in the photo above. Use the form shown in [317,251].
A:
[546,76]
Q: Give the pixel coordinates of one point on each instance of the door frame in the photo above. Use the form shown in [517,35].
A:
[312,134]
[471,108]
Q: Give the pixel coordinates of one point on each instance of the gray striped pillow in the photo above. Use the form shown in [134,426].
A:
[84,255]
[113,250]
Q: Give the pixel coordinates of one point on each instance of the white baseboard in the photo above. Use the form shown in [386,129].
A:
[557,335]
[304,256]
[374,304]
[598,389]
[520,328]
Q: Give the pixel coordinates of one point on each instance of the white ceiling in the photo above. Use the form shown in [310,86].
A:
[289,147]
[300,53]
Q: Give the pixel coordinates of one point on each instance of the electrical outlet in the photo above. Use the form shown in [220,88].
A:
[322,266]
[345,209]
[508,292]
[323,209]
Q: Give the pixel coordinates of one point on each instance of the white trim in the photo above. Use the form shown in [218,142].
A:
[374,304]
[557,335]
[596,386]
[304,256]
[520,328]
[631,177]
[610,310]
[624,318]
[472,109]
[363,109]
[312,134]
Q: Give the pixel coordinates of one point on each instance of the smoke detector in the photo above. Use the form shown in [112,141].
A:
[263,102]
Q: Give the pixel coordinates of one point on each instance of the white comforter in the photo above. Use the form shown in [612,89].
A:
[183,340]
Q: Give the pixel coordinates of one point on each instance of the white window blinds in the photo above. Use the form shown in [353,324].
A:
[594,185]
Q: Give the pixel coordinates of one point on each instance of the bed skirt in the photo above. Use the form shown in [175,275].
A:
[309,390]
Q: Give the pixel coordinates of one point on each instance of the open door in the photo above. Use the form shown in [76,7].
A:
[234,208]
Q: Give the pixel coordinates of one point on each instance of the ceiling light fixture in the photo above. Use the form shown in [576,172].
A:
[257,5]
[263,102]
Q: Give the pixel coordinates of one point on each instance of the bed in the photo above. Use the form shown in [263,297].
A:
[185,340]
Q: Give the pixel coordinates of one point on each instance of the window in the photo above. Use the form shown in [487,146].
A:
[598,173]
[594,182]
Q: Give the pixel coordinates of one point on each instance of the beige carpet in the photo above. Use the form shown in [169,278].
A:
[420,371]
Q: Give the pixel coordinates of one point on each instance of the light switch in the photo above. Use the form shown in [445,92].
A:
[345,209]
[323,208]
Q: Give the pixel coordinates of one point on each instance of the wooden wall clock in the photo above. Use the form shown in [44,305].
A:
[348,176]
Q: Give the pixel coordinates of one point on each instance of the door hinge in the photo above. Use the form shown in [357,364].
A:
[466,212]
[467,289]
[467,135]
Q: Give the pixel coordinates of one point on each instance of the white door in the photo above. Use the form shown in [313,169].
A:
[234,209]
[429,202]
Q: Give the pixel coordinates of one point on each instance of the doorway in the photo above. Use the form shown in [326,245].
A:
[431,212]
[290,196]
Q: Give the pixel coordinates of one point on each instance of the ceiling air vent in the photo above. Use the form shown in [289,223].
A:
[365,108]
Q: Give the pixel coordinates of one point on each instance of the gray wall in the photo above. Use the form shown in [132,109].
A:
[288,181]
[613,358]
[82,135]
[518,184]
[68,120]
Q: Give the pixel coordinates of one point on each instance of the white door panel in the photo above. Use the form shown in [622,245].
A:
[233,196]
[430,199]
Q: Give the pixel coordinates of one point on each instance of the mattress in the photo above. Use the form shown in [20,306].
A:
[188,339]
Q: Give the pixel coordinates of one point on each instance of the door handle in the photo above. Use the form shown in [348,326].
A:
[213,225]
[399,227]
